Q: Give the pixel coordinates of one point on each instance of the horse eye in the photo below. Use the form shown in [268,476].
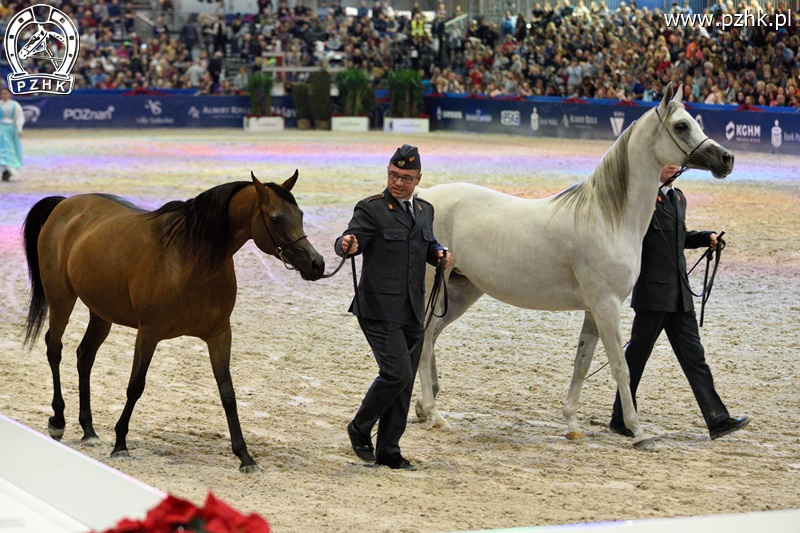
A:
[273,219]
[681,126]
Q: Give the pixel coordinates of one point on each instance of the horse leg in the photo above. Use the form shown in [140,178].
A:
[607,317]
[146,344]
[461,294]
[219,348]
[96,333]
[583,358]
[60,310]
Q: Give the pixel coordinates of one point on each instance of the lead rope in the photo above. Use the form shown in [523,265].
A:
[439,285]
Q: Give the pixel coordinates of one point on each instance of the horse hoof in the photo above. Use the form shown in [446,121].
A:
[54,432]
[441,423]
[645,444]
[122,454]
[574,435]
[91,441]
[249,469]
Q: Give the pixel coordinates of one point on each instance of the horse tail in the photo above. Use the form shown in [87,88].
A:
[32,227]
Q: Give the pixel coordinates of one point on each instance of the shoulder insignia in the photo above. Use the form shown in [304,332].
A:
[422,200]
[375,197]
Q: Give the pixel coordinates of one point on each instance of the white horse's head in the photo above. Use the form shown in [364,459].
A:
[680,141]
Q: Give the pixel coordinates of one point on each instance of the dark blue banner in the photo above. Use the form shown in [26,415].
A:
[144,111]
[762,131]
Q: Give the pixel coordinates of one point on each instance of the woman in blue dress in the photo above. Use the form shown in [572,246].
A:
[12,120]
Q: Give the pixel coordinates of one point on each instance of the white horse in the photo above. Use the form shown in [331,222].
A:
[577,250]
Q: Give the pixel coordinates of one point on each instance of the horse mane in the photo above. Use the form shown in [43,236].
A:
[200,225]
[607,186]
[283,193]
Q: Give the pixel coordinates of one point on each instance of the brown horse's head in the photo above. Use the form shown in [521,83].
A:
[277,228]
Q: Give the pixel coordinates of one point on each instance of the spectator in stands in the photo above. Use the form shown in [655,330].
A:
[506,25]
[215,67]
[219,34]
[194,74]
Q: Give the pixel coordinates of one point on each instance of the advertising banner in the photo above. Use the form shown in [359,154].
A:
[143,111]
[762,131]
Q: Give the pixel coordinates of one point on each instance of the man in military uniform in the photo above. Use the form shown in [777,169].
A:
[394,233]
[663,302]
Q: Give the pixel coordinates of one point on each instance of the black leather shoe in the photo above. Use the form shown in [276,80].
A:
[728,426]
[6,175]
[620,429]
[395,462]
[361,445]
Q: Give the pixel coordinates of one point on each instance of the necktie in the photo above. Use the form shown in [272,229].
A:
[409,211]
[671,195]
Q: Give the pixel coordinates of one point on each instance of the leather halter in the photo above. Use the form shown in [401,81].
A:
[688,155]
[279,250]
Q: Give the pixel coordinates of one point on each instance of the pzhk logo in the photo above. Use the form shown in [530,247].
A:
[45,33]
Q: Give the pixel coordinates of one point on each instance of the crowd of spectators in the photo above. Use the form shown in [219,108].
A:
[582,51]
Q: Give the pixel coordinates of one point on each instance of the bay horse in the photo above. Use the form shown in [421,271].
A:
[166,273]
[577,250]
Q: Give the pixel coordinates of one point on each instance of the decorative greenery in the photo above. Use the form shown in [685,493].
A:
[405,89]
[320,101]
[301,97]
[259,89]
[355,92]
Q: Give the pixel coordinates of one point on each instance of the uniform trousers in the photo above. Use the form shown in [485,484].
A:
[684,336]
[389,397]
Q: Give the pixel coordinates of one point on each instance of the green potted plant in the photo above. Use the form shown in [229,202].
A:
[320,101]
[259,89]
[301,97]
[406,104]
[356,99]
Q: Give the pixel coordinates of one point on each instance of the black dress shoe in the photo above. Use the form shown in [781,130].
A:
[395,462]
[727,426]
[361,445]
[620,429]
[6,175]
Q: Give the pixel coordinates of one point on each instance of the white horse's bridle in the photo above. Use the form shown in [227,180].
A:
[688,155]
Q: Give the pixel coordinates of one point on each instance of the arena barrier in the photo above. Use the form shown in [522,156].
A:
[46,486]
[751,129]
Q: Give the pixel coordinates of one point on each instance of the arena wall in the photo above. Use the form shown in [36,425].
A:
[751,129]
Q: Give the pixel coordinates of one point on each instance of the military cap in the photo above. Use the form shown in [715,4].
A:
[406,157]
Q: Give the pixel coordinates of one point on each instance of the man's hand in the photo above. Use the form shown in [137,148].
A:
[346,240]
[714,241]
[448,262]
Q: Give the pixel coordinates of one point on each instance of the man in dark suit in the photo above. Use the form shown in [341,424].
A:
[663,301]
[394,233]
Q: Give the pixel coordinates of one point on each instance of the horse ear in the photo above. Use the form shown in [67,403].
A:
[678,94]
[288,184]
[263,195]
[669,93]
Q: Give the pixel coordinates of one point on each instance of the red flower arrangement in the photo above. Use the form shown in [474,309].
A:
[174,514]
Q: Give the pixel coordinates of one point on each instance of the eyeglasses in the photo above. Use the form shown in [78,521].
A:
[393,176]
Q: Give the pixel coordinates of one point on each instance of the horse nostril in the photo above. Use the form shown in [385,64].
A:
[727,158]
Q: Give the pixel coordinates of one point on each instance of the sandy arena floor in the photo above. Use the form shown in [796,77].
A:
[300,365]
